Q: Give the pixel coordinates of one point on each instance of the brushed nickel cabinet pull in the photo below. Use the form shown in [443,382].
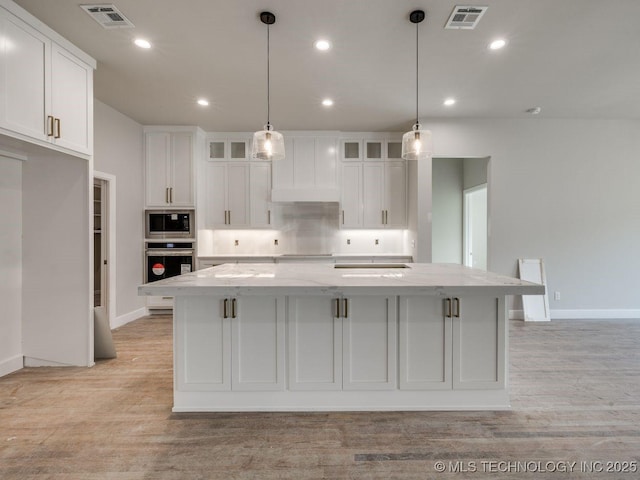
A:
[49,126]
[233,308]
[166,195]
[345,314]
[58,133]
[448,313]
[342,217]
[268,217]
[229,217]
[382,217]
[457,304]
[170,194]
[337,308]
[225,309]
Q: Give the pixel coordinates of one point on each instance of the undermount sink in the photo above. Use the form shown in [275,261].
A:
[371,265]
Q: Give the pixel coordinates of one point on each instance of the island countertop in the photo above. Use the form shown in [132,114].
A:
[319,279]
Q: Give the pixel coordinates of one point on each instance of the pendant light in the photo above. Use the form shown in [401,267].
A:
[267,144]
[416,144]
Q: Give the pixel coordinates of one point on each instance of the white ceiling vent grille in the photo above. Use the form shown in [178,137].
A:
[465,17]
[108,16]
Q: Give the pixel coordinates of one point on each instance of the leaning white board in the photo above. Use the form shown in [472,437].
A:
[536,307]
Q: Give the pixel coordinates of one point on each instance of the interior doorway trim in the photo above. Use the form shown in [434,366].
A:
[110,187]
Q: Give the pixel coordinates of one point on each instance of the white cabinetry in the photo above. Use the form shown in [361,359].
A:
[345,343]
[309,171]
[237,191]
[374,194]
[479,353]
[46,91]
[230,343]
[425,344]
[169,160]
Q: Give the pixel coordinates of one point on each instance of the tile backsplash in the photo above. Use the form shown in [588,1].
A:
[302,228]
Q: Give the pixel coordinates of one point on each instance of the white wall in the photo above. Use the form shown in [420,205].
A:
[118,150]
[448,174]
[57,325]
[10,265]
[563,190]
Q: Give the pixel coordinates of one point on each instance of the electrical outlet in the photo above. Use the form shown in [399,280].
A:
[275,242]
[377,241]
[236,242]
[556,296]
[348,241]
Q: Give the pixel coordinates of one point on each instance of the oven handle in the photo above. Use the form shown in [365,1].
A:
[169,253]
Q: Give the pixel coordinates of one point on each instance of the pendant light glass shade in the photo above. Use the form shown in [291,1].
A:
[416,144]
[267,144]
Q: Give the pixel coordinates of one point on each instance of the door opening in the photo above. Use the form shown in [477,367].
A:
[104,238]
[475,227]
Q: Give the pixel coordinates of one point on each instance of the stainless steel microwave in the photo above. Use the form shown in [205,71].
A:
[169,224]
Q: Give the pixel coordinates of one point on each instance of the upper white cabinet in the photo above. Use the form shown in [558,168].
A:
[169,161]
[374,189]
[46,91]
[236,191]
[309,171]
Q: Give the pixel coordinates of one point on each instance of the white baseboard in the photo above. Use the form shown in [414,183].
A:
[11,365]
[39,362]
[129,317]
[586,314]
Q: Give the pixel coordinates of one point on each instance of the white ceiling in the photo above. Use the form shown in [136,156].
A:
[573,58]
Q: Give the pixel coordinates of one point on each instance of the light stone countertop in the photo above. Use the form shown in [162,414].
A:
[325,279]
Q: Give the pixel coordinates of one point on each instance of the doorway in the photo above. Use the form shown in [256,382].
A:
[104,245]
[475,227]
[460,212]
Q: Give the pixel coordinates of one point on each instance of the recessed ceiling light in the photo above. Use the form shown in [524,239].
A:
[449,101]
[203,101]
[142,43]
[497,44]
[327,102]
[323,45]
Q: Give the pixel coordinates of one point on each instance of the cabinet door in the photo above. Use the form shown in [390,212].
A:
[258,353]
[157,169]
[215,206]
[24,68]
[238,194]
[202,344]
[282,170]
[372,194]
[425,344]
[260,194]
[315,344]
[71,100]
[369,343]
[395,194]
[373,150]
[351,197]
[181,169]
[326,164]
[304,162]
[351,150]
[479,330]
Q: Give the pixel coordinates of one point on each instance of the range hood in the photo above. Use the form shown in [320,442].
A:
[287,195]
[309,171]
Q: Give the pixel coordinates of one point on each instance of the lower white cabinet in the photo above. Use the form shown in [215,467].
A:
[479,343]
[231,343]
[425,344]
[344,343]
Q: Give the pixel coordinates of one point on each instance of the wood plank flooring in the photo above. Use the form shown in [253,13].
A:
[575,397]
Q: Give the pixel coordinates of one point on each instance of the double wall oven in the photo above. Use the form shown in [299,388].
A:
[169,242]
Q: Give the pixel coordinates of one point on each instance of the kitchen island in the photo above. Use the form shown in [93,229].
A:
[288,337]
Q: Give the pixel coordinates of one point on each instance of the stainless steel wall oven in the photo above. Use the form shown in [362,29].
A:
[168,259]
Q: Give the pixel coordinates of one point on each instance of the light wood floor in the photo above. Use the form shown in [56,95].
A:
[575,396]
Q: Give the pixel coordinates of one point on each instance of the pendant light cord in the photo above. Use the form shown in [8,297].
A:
[268,78]
[417,59]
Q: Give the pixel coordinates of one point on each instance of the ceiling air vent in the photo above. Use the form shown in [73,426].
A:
[108,16]
[465,17]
